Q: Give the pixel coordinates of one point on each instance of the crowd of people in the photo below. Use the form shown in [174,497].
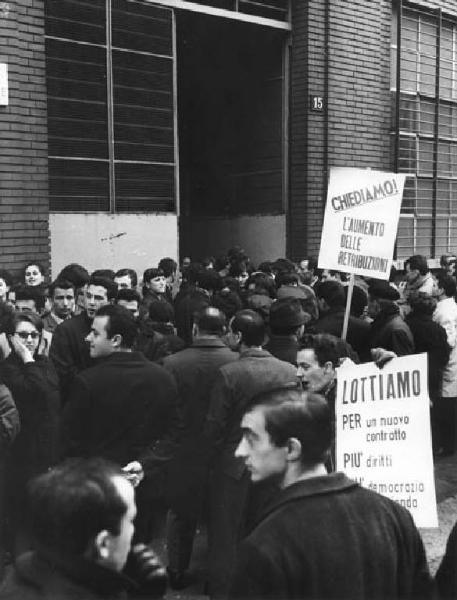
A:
[205,393]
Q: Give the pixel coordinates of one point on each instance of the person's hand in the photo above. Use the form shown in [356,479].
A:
[381,356]
[21,350]
[133,471]
[145,568]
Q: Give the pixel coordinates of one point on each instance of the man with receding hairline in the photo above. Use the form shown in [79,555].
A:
[194,370]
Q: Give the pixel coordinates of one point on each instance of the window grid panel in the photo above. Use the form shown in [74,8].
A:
[427,132]
[93,152]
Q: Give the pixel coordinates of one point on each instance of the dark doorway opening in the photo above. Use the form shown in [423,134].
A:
[231,128]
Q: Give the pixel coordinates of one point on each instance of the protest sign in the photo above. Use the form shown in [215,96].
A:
[383,437]
[360,221]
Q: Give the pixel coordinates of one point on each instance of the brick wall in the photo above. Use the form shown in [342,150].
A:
[24,233]
[359,108]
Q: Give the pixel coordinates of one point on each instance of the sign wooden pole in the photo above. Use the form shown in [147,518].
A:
[348,307]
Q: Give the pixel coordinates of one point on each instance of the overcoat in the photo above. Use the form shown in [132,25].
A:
[194,370]
[118,409]
[327,537]
[389,331]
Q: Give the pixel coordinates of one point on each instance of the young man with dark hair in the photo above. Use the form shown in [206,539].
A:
[418,276]
[62,296]
[322,536]
[69,350]
[81,521]
[235,384]
[317,360]
[130,299]
[79,276]
[122,406]
[29,299]
[126,279]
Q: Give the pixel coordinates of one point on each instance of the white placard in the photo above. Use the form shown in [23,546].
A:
[383,436]
[3,84]
[360,221]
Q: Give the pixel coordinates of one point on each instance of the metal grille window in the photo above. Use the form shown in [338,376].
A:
[424,48]
[111,123]
[270,9]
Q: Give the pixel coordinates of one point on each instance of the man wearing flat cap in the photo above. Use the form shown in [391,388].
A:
[388,330]
[287,325]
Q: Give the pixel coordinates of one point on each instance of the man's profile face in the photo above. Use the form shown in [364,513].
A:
[96,297]
[119,545]
[99,343]
[313,377]
[262,458]
[123,283]
[63,302]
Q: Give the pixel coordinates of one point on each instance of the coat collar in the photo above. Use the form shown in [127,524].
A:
[208,342]
[315,486]
[254,353]
[123,357]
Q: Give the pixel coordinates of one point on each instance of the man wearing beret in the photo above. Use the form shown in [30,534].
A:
[388,330]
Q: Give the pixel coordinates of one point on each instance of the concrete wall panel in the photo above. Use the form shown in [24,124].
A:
[99,240]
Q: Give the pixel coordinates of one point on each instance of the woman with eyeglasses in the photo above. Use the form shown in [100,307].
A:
[33,383]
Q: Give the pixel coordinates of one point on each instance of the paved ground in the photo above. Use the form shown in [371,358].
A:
[434,539]
[446,494]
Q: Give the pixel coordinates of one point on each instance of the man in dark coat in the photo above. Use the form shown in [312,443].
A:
[323,536]
[194,370]
[81,522]
[122,406]
[235,384]
[332,303]
[388,329]
[446,576]
[69,350]
[287,325]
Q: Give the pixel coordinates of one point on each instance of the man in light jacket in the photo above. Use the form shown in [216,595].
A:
[444,408]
